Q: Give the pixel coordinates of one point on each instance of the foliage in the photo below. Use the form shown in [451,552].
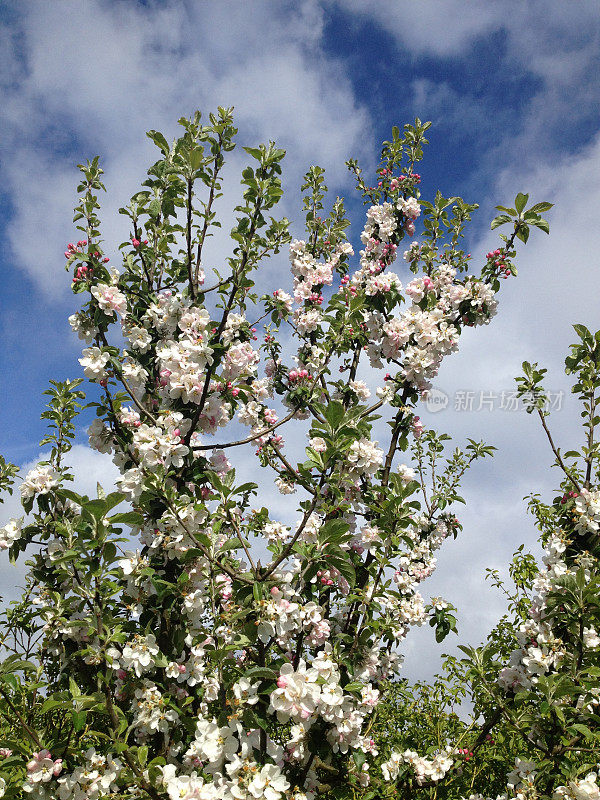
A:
[234,654]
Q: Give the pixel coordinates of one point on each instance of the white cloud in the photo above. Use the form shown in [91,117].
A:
[93,78]
[458,117]
[546,54]
[540,33]
[437,27]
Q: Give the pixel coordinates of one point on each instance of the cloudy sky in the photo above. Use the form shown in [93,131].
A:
[512,90]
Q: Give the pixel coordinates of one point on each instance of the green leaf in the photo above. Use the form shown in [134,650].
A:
[109,552]
[521,201]
[542,224]
[127,518]
[261,672]
[16,664]
[154,207]
[52,703]
[254,152]
[345,567]
[11,681]
[252,720]
[76,498]
[79,718]
[502,219]
[246,487]
[333,530]
[196,158]
[355,686]
[334,414]
[142,754]
[539,208]
[100,507]
[231,544]
[582,331]
[583,729]
[160,141]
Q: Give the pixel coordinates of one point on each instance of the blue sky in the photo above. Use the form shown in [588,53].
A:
[511,87]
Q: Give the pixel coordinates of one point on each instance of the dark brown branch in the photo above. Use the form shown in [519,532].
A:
[561,463]
[207,210]
[188,239]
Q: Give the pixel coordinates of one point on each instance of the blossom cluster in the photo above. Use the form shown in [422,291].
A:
[229,642]
[424,769]
[587,511]
[541,649]
[521,785]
